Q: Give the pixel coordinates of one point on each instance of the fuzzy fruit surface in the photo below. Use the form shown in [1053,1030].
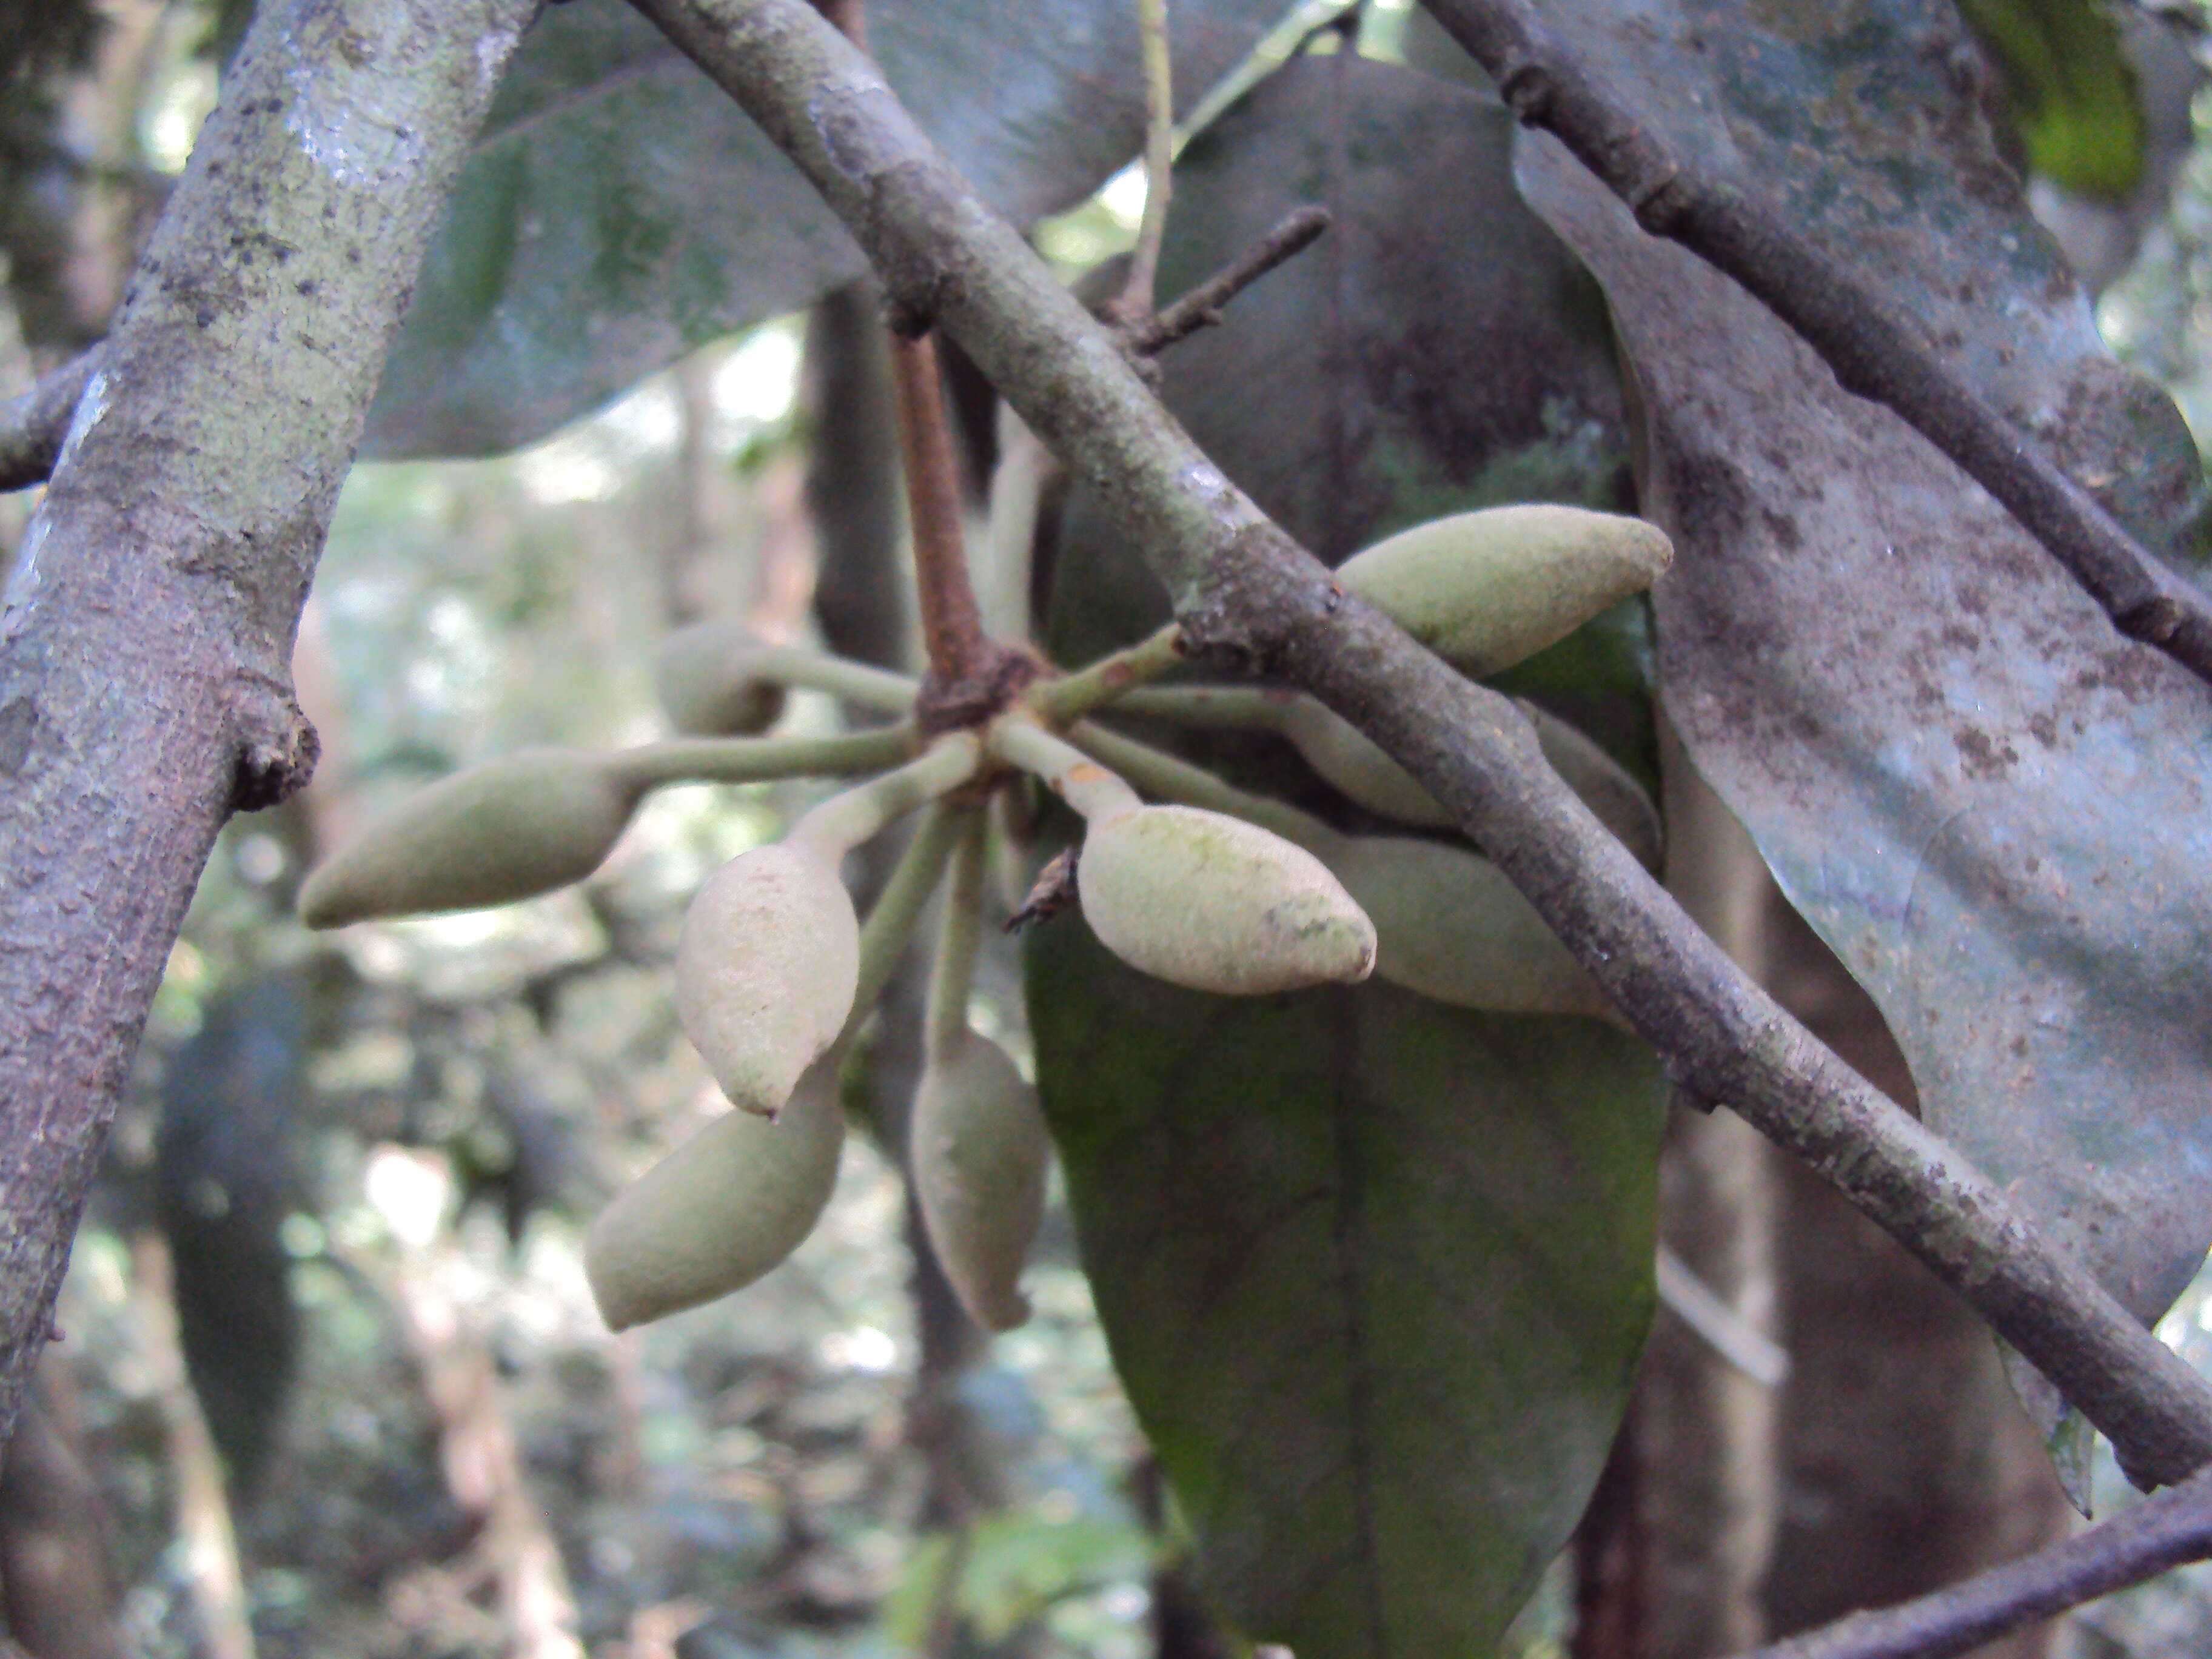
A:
[1355,766]
[510,828]
[706,686]
[1453,928]
[1217,904]
[1484,590]
[717,1213]
[766,971]
[980,1149]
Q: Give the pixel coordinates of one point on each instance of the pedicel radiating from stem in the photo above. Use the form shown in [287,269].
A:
[759,760]
[818,671]
[1018,486]
[1330,745]
[960,936]
[889,927]
[843,821]
[1069,698]
[1085,785]
[1172,778]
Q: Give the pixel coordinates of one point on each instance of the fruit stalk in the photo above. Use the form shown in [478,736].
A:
[844,821]
[756,760]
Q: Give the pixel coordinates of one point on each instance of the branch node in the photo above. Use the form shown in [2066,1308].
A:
[275,762]
[973,698]
[1527,86]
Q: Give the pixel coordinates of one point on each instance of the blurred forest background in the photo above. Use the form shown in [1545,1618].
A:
[328,1380]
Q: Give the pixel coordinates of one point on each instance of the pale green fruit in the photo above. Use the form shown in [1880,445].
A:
[979,1149]
[730,1203]
[1616,799]
[1217,904]
[507,830]
[766,970]
[702,677]
[1453,928]
[1483,590]
[1356,766]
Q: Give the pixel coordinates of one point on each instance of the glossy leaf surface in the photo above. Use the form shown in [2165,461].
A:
[621,209]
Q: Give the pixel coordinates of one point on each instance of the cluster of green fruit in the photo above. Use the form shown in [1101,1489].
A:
[1213,888]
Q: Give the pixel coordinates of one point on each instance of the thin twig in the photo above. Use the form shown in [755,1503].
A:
[1245,590]
[34,425]
[968,671]
[2160,1534]
[1874,352]
[951,624]
[1298,231]
[1717,1325]
[1134,310]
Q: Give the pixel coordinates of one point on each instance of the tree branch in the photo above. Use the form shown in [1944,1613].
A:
[1244,589]
[2160,1533]
[1874,353]
[145,649]
[1133,309]
[1201,307]
[32,426]
[951,623]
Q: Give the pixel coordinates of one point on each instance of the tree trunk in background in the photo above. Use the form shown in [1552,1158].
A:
[1706,1434]
[214,1581]
[1893,1460]
[55,1582]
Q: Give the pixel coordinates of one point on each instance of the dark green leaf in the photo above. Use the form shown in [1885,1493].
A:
[620,209]
[1987,802]
[1376,1273]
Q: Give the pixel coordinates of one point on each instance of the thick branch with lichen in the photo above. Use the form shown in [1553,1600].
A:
[1872,353]
[1245,591]
[145,651]
[32,426]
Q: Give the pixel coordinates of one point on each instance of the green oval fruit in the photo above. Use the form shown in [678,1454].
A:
[1607,788]
[509,829]
[1357,768]
[720,1211]
[766,971]
[979,1149]
[1217,904]
[1483,590]
[703,676]
[1450,927]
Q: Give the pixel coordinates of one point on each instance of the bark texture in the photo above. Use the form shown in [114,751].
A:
[145,645]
